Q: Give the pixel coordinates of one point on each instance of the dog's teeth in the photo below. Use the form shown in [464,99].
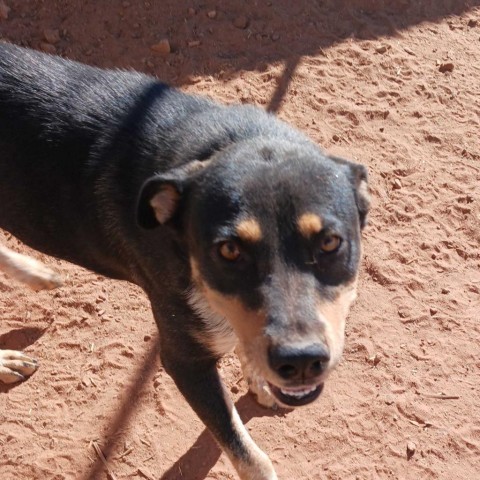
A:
[297,393]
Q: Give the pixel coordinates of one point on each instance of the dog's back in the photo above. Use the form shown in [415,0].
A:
[51,120]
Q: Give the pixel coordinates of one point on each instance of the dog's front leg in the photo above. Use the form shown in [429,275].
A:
[200,384]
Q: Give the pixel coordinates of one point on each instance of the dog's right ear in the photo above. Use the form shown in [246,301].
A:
[358,175]
[160,196]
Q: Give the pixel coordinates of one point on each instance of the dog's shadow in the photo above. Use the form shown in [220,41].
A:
[18,339]
[197,462]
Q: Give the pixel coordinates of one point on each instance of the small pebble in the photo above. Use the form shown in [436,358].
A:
[147,338]
[397,184]
[212,14]
[241,22]
[472,23]
[446,67]
[162,47]
[194,43]
[381,49]
[433,311]
[275,36]
[375,359]
[445,291]
[411,448]
[234,389]
[403,311]
[191,11]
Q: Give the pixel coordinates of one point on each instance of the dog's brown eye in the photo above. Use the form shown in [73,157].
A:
[330,243]
[229,251]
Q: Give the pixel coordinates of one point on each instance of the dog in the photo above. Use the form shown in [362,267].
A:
[15,366]
[240,230]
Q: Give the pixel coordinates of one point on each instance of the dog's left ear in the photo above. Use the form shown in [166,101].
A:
[160,196]
[359,178]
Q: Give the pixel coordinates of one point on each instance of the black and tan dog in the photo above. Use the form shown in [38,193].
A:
[240,230]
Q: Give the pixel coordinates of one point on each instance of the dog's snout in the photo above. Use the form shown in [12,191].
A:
[299,362]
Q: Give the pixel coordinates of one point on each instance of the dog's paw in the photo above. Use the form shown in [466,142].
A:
[15,366]
[42,279]
[36,275]
[259,387]
[28,270]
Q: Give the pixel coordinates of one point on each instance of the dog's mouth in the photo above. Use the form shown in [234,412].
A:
[296,396]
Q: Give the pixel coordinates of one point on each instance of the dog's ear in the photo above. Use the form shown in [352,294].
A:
[161,195]
[359,178]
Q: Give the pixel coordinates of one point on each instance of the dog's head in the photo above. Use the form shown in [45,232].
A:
[273,234]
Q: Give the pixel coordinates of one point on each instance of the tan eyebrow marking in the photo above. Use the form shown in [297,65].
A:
[249,230]
[309,224]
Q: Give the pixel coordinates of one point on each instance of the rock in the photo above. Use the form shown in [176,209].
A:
[446,67]
[162,47]
[375,359]
[194,43]
[4,11]
[275,36]
[411,448]
[445,291]
[147,338]
[397,184]
[241,22]
[472,23]
[433,311]
[404,311]
[212,14]
[381,48]
[191,11]
[234,389]
[48,48]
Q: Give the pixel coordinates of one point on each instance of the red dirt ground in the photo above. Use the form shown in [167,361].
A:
[364,79]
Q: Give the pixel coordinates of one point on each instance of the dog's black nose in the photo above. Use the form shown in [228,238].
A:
[293,362]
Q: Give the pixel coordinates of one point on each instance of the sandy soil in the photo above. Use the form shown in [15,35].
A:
[393,84]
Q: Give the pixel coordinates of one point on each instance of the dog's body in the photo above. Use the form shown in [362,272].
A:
[238,228]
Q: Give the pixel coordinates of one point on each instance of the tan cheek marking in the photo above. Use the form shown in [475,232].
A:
[334,315]
[249,230]
[309,224]
[247,324]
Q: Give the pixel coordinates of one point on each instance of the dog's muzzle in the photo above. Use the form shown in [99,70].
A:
[300,369]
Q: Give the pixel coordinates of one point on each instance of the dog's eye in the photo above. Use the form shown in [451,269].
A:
[330,243]
[229,250]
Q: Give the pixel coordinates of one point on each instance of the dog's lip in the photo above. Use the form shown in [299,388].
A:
[296,396]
